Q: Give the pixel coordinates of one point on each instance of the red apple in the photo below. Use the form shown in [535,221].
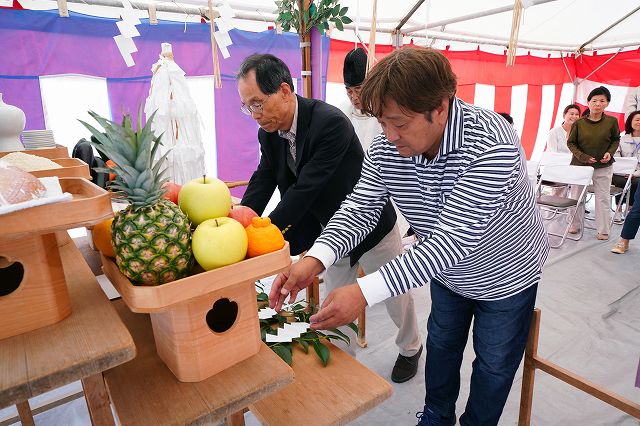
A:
[242,214]
[172,191]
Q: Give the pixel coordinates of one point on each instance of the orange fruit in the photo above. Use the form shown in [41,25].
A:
[101,234]
[110,164]
[264,237]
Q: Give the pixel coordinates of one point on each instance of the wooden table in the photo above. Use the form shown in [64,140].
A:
[145,392]
[92,339]
[332,395]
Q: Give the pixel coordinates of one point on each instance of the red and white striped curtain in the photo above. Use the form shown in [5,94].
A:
[534,91]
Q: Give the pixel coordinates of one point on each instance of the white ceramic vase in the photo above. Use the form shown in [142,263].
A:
[12,121]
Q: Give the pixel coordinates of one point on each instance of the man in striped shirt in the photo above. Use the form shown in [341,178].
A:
[458,174]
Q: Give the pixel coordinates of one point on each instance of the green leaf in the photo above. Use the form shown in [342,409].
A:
[325,25]
[284,352]
[353,327]
[322,351]
[346,20]
[339,25]
[335,10]
[304,344]
[345,338]
[262,297]
[343,11]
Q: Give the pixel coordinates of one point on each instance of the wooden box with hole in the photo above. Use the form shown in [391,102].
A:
[33,290]
[207,322]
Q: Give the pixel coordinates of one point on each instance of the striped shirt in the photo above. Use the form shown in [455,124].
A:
[472,207]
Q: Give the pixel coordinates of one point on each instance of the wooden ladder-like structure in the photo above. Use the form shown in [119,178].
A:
[533,361]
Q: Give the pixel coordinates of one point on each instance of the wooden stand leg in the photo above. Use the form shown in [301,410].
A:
[97,399]
[236,419]
[24,412]
[362,320]
[529,371]
[362,329]
[313,295]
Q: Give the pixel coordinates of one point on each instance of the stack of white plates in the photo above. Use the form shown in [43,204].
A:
[33,139]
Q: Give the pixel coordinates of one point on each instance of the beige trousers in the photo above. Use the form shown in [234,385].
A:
[401,309]
[601,184]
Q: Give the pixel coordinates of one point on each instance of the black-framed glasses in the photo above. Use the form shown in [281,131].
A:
[254,108]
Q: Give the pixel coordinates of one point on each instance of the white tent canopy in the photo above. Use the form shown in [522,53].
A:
[548,26]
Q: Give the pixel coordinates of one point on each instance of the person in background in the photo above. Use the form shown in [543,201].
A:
[506,117]
[593,141]
[631,102]
[354,71]
[557,139]
[311,153]
[458,174]
[366,127]
[630,227]
[629,147]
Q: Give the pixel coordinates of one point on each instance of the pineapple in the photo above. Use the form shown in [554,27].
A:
[152,236]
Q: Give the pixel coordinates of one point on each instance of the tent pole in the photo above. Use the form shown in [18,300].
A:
[409,15]
[171,8]
[472,16]
[581,48]
[305,45]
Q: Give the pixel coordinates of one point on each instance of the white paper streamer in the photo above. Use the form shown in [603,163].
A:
[124,47]
[127,29]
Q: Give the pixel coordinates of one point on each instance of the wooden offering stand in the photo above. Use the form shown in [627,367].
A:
[206,322]
[33,290]
[71,167]
[60,151]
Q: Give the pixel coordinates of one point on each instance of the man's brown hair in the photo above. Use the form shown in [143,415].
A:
[416,78]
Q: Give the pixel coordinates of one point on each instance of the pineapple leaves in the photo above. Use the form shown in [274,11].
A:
[139,173]
[124,141]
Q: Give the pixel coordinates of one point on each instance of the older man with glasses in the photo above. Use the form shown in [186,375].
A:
[311,153]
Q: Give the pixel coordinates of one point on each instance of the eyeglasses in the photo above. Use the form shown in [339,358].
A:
[254,108]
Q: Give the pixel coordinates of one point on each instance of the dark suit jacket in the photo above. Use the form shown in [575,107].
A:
[328,165]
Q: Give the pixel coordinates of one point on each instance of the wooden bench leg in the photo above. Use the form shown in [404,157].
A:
[236,419]
[24,412]
[362,320]
[529,371]
[95,393]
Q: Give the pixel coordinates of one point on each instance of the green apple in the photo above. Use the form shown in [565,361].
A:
[219,242]
[204,198]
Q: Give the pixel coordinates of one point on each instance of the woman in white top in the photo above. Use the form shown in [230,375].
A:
[557,140]
[629,147]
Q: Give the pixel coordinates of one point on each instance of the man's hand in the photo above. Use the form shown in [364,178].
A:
[591,160]
[606,157]
[299,276]
[342,306]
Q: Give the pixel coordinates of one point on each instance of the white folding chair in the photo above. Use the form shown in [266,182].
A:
[564,207]
[549,158]
[623,166]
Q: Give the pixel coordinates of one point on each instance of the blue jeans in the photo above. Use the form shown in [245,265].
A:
[500,331]
[632,221]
